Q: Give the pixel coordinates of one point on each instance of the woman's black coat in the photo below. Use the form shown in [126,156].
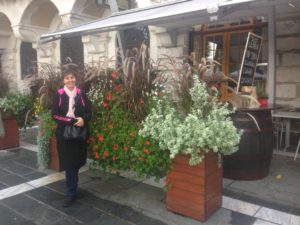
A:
[72,154]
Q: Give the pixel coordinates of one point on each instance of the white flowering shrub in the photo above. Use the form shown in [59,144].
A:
[206,127]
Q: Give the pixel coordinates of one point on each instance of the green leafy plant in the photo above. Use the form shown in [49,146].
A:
[202,124]
[47,124]
[46,130]
[20,106]
[43,155]
[2,131]
[261,93]
[121,99]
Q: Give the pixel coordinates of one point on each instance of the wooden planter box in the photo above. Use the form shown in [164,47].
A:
[54,161]
[11,138]
[196,191]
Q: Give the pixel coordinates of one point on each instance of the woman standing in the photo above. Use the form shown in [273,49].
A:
[70,107]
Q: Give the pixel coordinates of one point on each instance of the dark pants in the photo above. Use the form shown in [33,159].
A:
[72,182]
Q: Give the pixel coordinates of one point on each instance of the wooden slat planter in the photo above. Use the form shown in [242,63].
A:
[11,138]
[196,191]
[54,161]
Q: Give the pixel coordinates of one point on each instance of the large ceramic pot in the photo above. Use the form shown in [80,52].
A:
[196,191]
[11,138]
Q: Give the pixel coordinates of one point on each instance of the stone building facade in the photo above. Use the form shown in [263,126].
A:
[22,21]
[288,61]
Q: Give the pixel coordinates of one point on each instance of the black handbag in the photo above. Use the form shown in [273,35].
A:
[72,132]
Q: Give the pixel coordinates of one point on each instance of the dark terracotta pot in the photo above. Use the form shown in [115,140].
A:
[196,191]
[54,160]
[11,138]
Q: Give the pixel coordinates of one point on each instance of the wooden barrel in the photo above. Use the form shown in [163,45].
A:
[253,158]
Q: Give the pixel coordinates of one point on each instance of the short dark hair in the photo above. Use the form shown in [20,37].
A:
[69,70]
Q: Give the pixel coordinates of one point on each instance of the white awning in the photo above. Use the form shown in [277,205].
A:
[176,13]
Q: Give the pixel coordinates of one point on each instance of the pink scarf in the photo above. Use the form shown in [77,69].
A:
[72,95]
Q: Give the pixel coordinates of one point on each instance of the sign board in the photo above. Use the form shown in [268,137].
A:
[249,62]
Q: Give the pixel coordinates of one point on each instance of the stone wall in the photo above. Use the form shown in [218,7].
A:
[288,62]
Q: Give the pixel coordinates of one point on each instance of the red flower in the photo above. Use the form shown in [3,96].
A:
[101,138]
[117,87]
[96,155]
[113,75]
[113,158]
[115,147]
[148,142]
[216,85]
[105,153]
[166,181]
[131,134]
[108,96]
[125,148]
[104,104]
[142,102]
[146,151]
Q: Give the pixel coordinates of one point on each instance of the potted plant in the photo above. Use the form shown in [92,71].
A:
[3,90]
[16,111]
[47,150]
[121,99]
[2,131]
[43,86]
[262,97]
[192,125]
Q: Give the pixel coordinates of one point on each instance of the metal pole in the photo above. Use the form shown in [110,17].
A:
[272,55]
[114,8]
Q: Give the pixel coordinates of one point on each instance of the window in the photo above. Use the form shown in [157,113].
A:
[71,49]
[28,59]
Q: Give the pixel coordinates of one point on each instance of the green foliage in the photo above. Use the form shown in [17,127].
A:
[261,92]
[205,127]
[2,131]
[43,155]
[47,124]
[118,106]
[20,106]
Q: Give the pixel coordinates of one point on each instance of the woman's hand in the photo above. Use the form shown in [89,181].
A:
[80,122]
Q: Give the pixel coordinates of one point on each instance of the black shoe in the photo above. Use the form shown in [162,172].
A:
[69,201]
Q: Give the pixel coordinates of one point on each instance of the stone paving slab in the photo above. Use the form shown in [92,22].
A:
[44,206]
[112,199]
[9,217]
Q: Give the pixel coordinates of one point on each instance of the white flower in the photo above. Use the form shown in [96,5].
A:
[206,127]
